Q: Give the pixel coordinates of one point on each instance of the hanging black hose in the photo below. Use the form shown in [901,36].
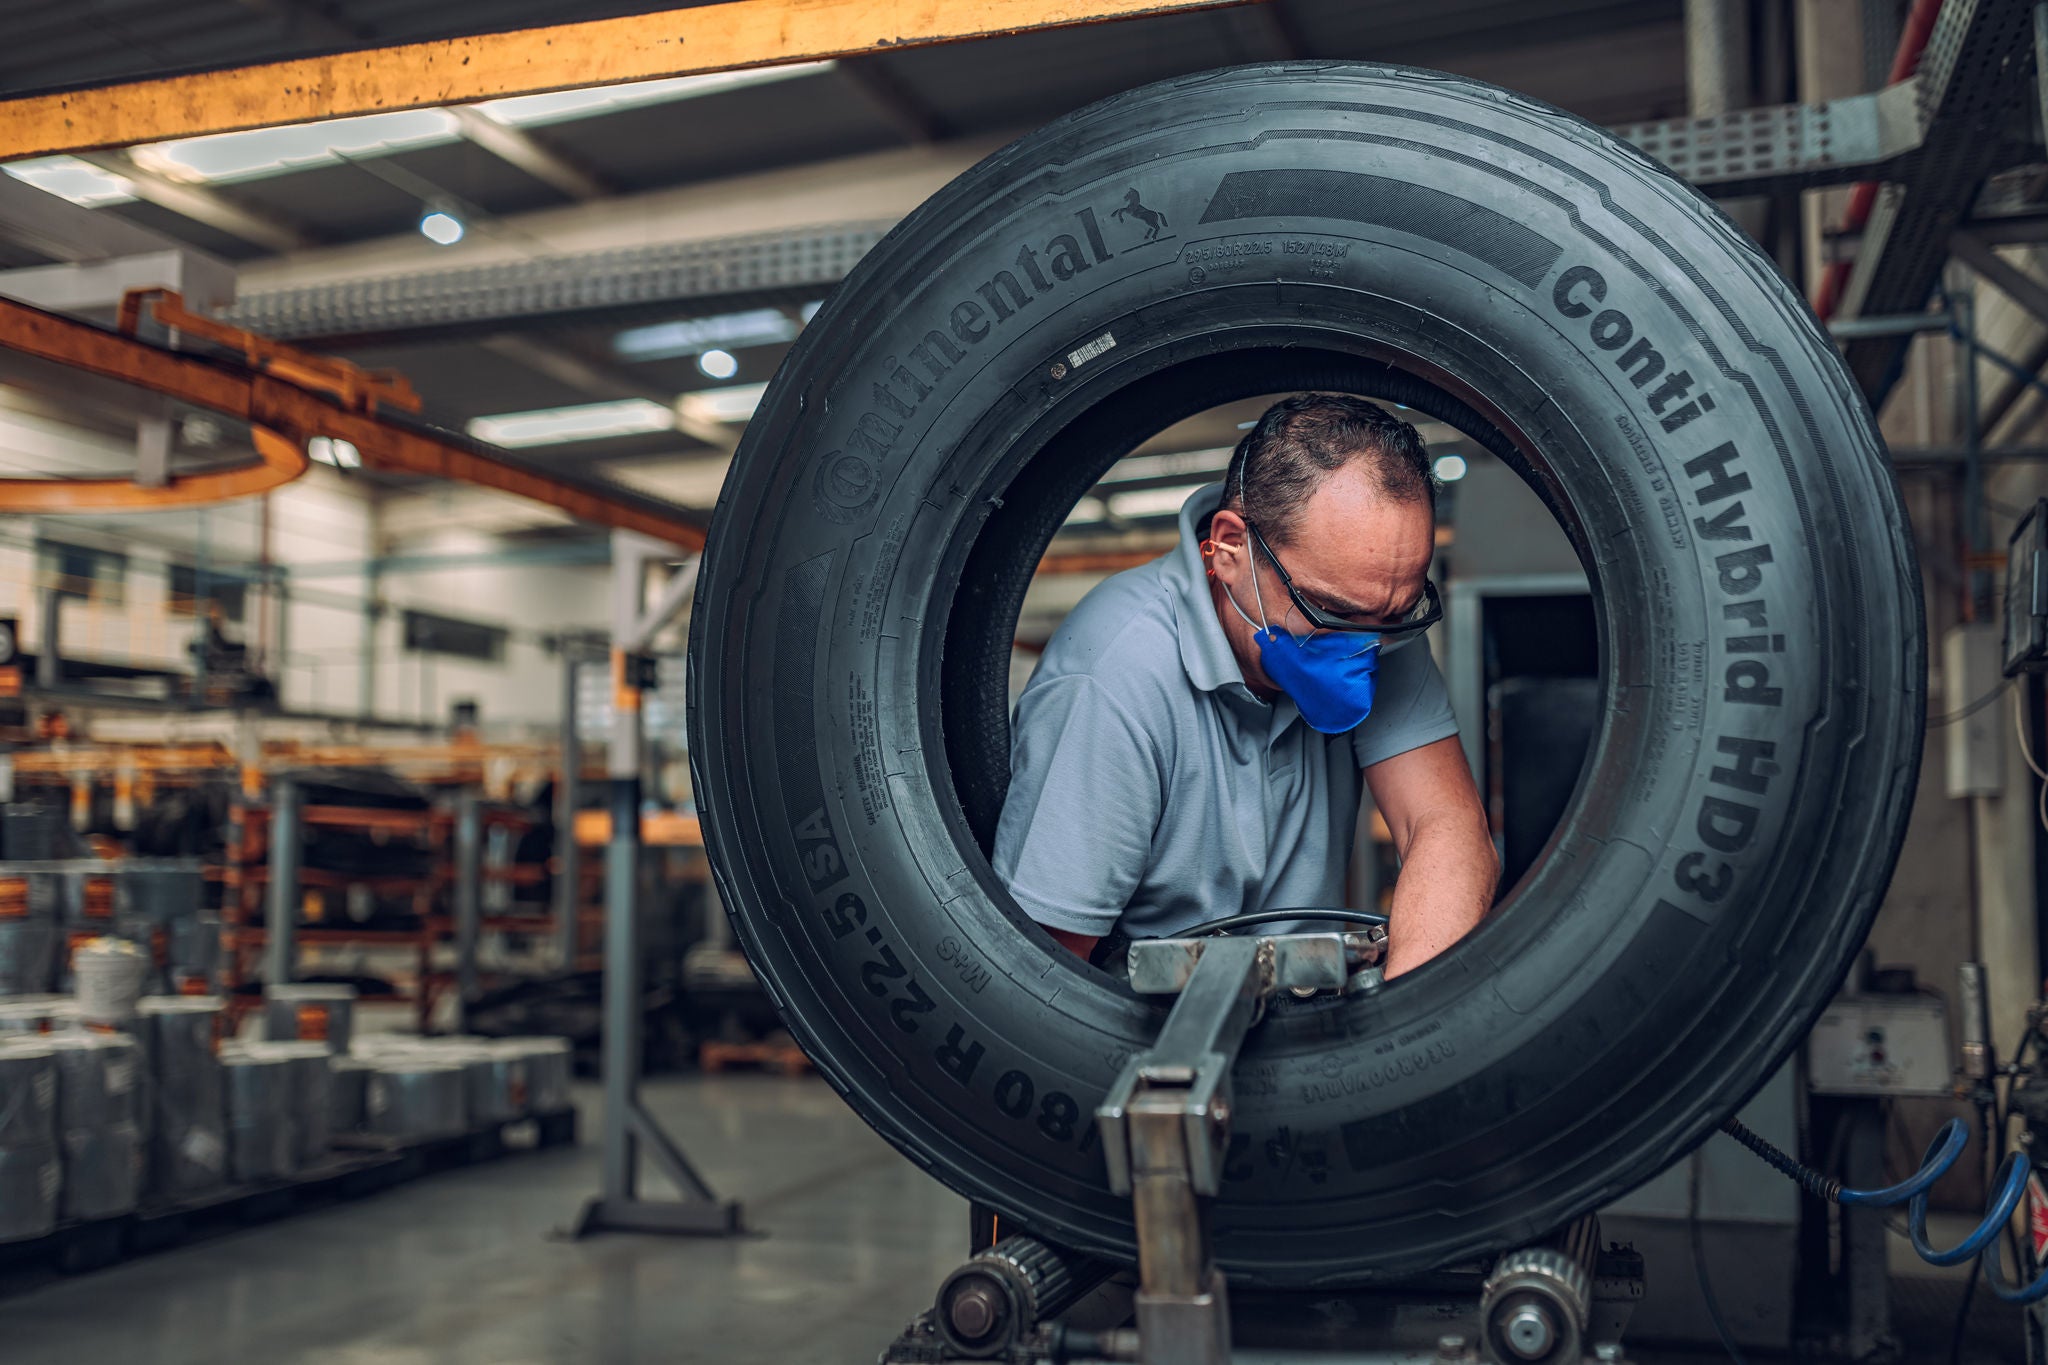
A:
[1821,1187]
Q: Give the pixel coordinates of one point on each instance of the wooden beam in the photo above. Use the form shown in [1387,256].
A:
[716,37]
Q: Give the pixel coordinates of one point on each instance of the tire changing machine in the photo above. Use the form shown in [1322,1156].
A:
[1165,1128]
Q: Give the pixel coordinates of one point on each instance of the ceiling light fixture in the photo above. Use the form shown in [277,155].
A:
[1450,468]
[734,404]
[223,158]
[582,422]
[692,336]
[560,106]
[67,177]
[332,450]
[717,364]
[441,227]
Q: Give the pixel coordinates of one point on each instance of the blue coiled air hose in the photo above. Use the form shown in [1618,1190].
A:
[2010,1185]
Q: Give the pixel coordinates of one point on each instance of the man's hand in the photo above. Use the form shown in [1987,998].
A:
[1448,864]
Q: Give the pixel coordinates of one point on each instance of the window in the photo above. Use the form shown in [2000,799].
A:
[95,575]
[431,634]
[231,593]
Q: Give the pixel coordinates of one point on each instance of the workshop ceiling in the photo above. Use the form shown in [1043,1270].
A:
[1612,61]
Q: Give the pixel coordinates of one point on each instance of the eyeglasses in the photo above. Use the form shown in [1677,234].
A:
[1425,613]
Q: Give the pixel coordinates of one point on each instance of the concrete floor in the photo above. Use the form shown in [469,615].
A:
[469,1267]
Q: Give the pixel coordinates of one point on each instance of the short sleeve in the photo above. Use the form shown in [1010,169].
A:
[1086,792]
[1411,707]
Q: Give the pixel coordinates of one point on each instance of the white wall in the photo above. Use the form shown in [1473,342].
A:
[529,600]
[322,518]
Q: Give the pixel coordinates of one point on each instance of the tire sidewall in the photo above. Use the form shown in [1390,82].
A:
[1655,968]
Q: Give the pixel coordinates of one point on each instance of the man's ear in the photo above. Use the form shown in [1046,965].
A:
[1227,530]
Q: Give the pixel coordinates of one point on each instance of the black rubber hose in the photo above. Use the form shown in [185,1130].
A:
[1370,918]
[1822,1187]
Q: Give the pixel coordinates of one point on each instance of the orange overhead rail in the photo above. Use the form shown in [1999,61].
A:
[288,397]
[677,42]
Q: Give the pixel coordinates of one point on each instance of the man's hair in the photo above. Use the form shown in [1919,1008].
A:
[1302,440]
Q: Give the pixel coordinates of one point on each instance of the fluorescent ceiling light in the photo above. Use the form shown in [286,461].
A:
[335,451]
[559,106]
[1088,512]
[734,404]
[1149,502]
[584,422]
[1205,464]
[224,158]
[69,178]
[669,340]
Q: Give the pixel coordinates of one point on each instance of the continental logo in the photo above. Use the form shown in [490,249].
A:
[848,479]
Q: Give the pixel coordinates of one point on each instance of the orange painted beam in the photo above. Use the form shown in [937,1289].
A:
[658,829]
[279,460]
[719,37]
[284,415]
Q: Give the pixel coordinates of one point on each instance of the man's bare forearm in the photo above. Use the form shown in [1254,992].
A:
[1446,884]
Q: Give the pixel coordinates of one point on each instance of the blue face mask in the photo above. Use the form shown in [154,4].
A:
[1330,675]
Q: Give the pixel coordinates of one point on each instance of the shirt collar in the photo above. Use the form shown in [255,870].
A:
[1204,649]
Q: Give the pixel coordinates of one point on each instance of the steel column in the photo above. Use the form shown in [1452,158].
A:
[281,915]
[621,1054]
[469,876]
[568,868]
[629,1130]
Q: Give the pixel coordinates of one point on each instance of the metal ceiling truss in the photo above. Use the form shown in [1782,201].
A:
[780,267]
[1973,88]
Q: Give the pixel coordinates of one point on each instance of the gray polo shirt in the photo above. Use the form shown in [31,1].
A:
[1148,785]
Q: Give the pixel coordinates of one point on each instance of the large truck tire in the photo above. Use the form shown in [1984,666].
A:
[1394,233]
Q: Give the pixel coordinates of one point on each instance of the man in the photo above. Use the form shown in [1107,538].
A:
[1191,744]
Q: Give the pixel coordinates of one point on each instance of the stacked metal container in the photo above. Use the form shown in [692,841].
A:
[549,1067]
[262,1133]
[156,906]
[30,1170]
[348,1080]
[312,1095]
[29,931]
[99,1113]
[414,1089]
[310,1011]
[187,1105]
[32,1014]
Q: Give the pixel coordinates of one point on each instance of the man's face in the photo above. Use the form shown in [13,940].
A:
[1354,552]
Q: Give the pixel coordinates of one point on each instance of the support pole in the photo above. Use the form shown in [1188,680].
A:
[568,853]
[621,988]
[281,917]
[469,877]
[50,641]
[628,1128]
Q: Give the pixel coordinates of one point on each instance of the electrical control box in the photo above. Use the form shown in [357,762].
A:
[2026,594]
[1881,1045]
